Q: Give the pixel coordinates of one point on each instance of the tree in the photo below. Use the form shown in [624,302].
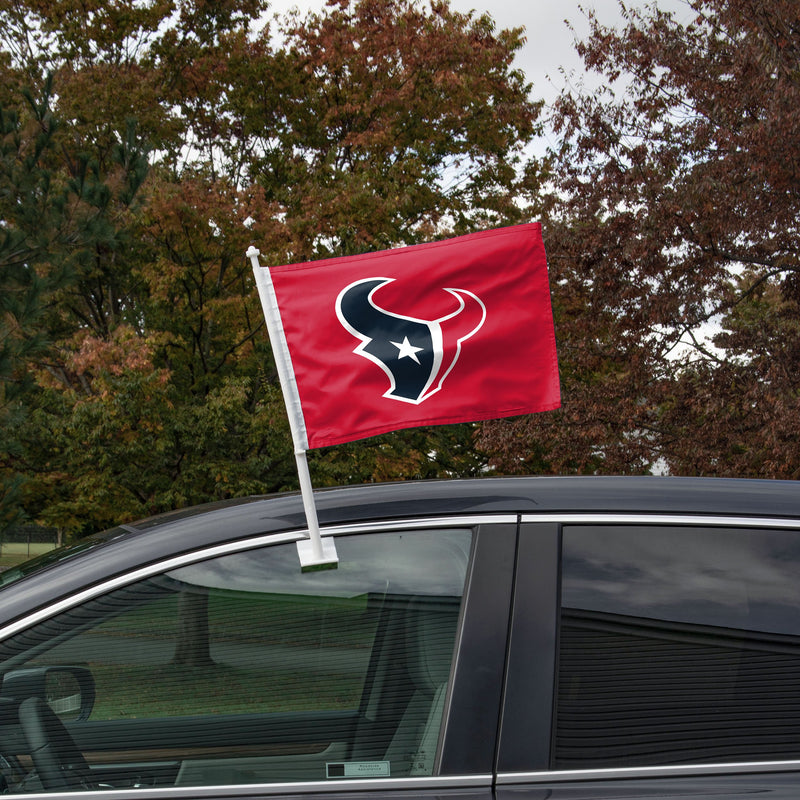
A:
[22,290]
[746,402]
[385,122]
[376,123]
[54,232]
[681,200]
[193,643]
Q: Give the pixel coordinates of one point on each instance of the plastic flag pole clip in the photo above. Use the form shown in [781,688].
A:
[315,553]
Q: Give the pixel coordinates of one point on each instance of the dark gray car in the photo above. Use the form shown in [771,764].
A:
[512,638]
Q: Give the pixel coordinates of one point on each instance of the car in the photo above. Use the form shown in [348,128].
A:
[508,638]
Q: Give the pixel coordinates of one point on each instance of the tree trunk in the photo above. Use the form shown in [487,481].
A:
[193,648]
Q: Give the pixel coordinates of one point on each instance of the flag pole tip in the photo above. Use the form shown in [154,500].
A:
[252,252]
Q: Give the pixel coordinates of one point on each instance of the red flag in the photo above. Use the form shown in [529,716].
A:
[452,331]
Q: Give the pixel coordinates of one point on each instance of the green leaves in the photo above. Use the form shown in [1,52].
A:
[166,141]
[388,123]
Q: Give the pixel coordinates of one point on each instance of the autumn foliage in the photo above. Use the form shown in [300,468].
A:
[137,374]
[145,145]
[675,251]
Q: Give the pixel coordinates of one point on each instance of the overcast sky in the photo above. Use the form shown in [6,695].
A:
[549,44]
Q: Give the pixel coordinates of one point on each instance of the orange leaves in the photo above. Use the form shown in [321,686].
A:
[125,352]
[199,283]
[92,365]
[371,124]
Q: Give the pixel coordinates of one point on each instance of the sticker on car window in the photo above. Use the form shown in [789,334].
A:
[358,769]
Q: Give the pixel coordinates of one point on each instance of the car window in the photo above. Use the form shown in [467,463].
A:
[678,645]
[244,669]
[52,557]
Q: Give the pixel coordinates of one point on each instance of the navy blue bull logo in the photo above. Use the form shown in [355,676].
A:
[416,354]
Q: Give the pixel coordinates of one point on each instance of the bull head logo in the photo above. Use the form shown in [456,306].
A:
[416,354]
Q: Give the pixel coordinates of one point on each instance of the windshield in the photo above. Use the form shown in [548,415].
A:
[56,556]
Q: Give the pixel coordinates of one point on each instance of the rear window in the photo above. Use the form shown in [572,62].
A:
[678,645]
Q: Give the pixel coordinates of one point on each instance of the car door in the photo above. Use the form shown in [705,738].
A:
[232,667]
[653,656]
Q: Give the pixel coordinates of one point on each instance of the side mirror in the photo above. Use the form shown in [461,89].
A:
[68,690]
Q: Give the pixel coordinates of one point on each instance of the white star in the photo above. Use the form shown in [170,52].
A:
[407,350]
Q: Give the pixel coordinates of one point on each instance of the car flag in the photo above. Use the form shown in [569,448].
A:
[458,330]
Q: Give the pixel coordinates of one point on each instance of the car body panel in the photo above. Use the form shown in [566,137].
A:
[499,716]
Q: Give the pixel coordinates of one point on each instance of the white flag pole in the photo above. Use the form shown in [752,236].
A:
[316,553]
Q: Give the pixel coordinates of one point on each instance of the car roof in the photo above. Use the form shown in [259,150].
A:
[524,494]
[157,538]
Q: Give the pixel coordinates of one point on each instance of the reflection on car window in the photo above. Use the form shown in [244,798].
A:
[243,669]
[678,645]
[56,556]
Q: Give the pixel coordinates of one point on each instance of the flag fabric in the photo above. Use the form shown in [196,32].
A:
[458,330]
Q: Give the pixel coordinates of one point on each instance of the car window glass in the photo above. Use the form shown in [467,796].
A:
[60,554]
[244,669]
[678,645]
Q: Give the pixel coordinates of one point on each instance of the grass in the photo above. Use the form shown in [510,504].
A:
[255,629]
[12,554]
[168,690]
[266,619]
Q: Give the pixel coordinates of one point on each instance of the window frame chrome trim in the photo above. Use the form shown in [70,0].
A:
[665,771]
[660,771]
[238,546]
[261,789]
[660,518]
